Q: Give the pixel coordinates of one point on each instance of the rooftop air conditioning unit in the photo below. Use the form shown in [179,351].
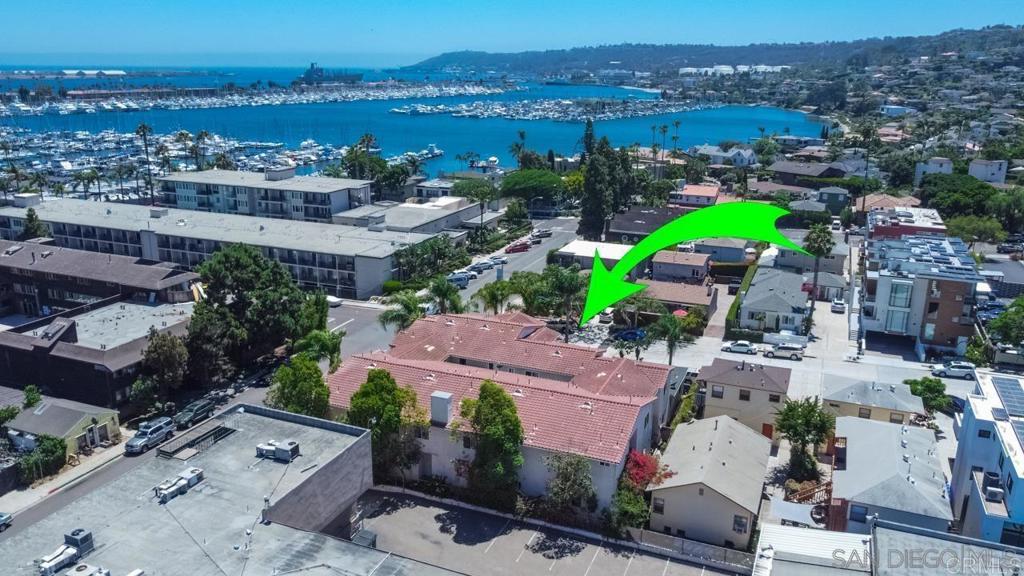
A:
[993,494]
[285,451]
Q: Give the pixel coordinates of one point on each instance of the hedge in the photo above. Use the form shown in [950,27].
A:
[732,331]
[733,270]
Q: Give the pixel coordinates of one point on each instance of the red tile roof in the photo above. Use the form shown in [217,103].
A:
[557,416]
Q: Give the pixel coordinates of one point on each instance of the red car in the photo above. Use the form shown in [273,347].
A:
[518,247]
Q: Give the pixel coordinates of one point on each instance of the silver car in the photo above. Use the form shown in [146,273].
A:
[956,369]
[150,434]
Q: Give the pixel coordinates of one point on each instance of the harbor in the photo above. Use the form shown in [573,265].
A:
[557,110]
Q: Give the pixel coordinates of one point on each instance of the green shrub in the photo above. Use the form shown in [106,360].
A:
[391,286]
[46,460]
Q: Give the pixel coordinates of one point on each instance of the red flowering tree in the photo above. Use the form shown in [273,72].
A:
[643,470]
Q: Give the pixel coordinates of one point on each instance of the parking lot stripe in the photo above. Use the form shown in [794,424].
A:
[495,539]
[526,546]
[370,573]
[663,572]
[552,564]
[591,565]
[630,563]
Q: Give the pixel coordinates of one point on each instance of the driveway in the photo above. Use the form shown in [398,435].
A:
[716,324]
[480,544]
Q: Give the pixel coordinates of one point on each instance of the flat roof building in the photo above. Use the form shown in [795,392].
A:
[447,213]
[273,194]
[894,223]
[232,511]
[345,261]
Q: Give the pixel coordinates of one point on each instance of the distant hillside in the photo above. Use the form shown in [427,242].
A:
[652,57]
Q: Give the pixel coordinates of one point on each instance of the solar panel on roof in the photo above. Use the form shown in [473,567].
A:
[1011,393]
[1018,428]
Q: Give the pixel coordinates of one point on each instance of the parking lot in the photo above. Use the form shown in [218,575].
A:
[480,544]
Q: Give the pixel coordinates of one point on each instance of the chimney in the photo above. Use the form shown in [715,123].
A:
[440,408]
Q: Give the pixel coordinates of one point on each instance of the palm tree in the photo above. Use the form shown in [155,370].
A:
[818,243]
[405,309]
[670,329]
[531,289]
[144,131]
[58,189]
[460,158]
[164,154]
[445,296]
[494,296]
[414,164]
[655,149]
[223,162]
[197,148]
[38,181]
[120,171]
[321,345]
[484,195]
[663,130]
[675,137]
[85,179]
[516,149]
[17,174]
[566,284]
[132,171]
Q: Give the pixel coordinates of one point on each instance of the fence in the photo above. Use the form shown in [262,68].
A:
[659,542]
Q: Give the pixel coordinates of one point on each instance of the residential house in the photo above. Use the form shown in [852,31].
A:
[769,188]
[807,206]
[895,111]
[81,426]
[883,402]
[775,301]
[834,198]
[748,391]
[936,165]
[582,253]
[830,286]
[718,471]
[434,188]
[991,171]
[793,173]
[694,195]
[675,266]
[570,399]
[882,202]
[735,156]
[638,222]
[922,287]
[834,262]
[891,471]
[898,222]
[678,296]
[725,250]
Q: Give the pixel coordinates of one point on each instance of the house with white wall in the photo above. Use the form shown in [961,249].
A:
[934,165]
[991,171]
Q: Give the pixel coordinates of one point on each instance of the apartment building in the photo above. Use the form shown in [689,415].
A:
[749,392]
[904,221]
[345,261]
[276,193]
[991,171]
[934,165]
[986,486]
[570,399]
[921,287]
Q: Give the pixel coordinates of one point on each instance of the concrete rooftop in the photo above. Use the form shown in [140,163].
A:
[122,322]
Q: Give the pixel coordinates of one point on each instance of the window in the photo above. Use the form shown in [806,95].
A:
[717,391]
[864,413]
[899,294]
[775,398]
[896,321]
[647,421]
[745,395]
[658,505]
[858,513]
[929,331]
[1009,485]
[700,491]
[895,417]
[467,441]
[1001,459]
[984,433]
[422,432]
[739,524]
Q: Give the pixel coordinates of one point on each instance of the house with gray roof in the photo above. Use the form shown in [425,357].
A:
[834,261]
[891,471]
[714,494]
[834,198]
[830,286]
[724,249]
[872,400]
[81,426]
[774,301]
[807,206]
[792,173]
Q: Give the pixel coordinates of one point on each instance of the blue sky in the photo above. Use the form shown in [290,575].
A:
[398,32]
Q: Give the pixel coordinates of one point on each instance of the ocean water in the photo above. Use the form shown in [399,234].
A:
[344,122]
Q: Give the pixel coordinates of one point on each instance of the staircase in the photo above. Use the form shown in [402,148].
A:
[819,494]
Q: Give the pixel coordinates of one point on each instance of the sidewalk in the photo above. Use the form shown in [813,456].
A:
[21,499]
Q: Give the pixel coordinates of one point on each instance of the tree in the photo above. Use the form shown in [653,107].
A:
[695,170]
[634,347]
[222,161]
[144,131]
[212,332]
[8,413]
[516,213]
[932,392]
[628,510]
[566,286]
[670,328]
[818,243]
[1009,326]
[404,310]
[32,396]
[480,191]
[846,217]
[900,167]
[498,437]
[1008,207]
[47,459]
[321,345]
[299,387]
[804,423]
[955,195]
[312,314]
[597,198]
[532,289]
[34,228]
[973,229]
[444,295]
[494,296]
[164,362]
[571,483]
[530,184]
[392,415]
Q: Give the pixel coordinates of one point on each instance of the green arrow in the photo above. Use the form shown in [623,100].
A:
[747,220]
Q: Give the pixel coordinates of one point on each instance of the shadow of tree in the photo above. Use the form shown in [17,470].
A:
[557,547]
[467,527]
[386,505]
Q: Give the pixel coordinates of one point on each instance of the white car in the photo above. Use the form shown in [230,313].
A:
[955,369]
[333,301]
[740,347]
[473,275]
[606,316]
[838,305]
[499,259]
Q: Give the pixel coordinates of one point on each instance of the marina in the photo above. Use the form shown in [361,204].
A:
[557,110]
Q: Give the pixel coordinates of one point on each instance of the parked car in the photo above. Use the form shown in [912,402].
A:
[1009,248]
[631,334]
[734,287]
[606,316]
[541,233]
[460,279]
[955,369]
[534,239]
[791,351]
[5,521]
[194,412]
[333,301]
[499,260]
[740,347]
[837,225]
[517,247]
[838,305]
[480,266]
[855,231]
[472,274]
[151,433]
